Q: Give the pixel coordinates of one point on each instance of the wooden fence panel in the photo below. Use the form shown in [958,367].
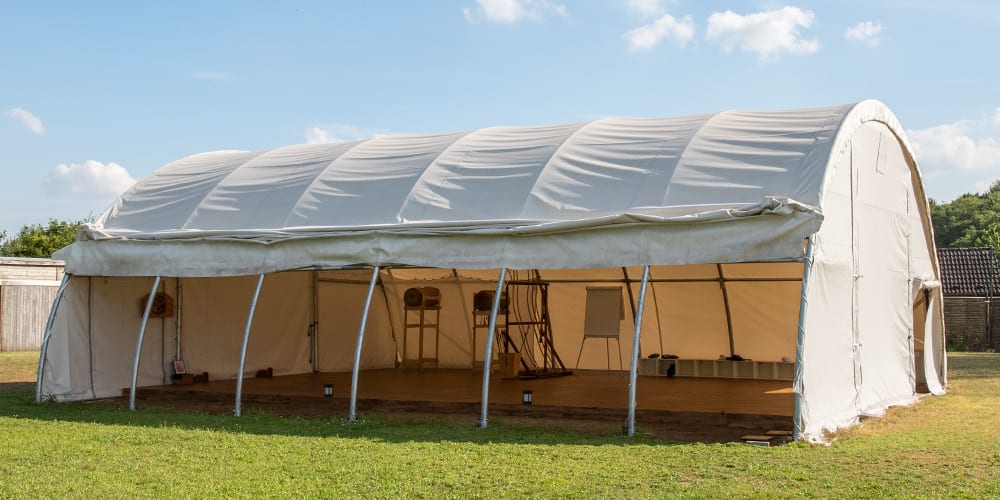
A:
[24,309]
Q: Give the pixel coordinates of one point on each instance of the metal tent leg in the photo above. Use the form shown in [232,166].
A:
[488,357]
[729,313]
[47,335]
[138,344]
[800,338]
[238,407]
[353,414]
[634,370]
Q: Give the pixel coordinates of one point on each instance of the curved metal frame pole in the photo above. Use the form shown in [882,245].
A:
[138,344]
[800,337]
[238,407]
[488,356]
[634,370]
[729,313]
[48,334]
[353,414]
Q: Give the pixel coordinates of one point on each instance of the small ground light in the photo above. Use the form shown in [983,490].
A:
[328,390]
[526,396]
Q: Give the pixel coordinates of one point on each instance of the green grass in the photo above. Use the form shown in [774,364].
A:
[947,446]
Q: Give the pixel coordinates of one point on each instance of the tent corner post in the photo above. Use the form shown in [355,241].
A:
[488,355]
[634,369]
[353,413]
[797,384]
[138,344]
[238,406]
[47,335]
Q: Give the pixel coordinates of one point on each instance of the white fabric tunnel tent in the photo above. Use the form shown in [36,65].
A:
[800,235]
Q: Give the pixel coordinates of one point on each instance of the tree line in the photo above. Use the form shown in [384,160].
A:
[40,240]
[971,220]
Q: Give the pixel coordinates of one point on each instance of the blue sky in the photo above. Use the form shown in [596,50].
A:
[96,94]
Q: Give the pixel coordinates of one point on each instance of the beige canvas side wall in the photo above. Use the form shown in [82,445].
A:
[116,316]
[684,318]
[341,303]
[93,341]
[214,317]
[66,367]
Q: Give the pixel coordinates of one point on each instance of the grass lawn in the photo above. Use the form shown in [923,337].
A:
[943,446]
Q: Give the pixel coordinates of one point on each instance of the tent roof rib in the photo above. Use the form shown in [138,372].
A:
[309,187]
[429,167]
[548,162]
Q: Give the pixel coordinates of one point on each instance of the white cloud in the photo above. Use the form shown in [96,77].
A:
[512,11]
[340,133]
[317,135]
[962,145]
[28,120]
[958,157]
[89,180]
[647,36]
[648,8]
[768,34]
[866,32]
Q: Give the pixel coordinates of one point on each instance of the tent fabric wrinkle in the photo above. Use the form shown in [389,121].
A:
[797,239]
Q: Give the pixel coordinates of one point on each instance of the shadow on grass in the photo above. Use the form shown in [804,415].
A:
[973,365]
[17,402]
[6,387]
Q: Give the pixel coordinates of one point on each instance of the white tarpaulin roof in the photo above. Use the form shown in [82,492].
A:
[609,192]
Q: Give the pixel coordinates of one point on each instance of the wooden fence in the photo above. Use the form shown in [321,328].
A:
[969,326]
[27,289]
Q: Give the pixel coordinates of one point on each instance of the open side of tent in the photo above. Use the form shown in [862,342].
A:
[783,236]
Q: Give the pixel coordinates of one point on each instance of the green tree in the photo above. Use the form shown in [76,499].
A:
[971,220]
[40,241]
